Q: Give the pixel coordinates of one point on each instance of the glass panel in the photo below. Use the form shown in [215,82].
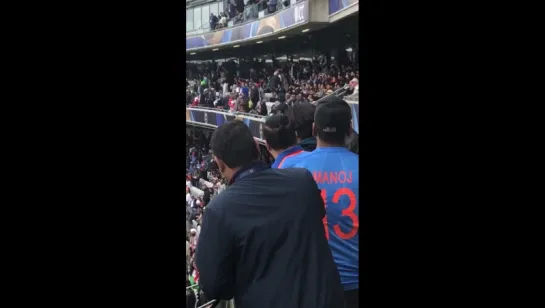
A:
[206,17]
[189,20]
[220,8]
[197,21]
[214,8]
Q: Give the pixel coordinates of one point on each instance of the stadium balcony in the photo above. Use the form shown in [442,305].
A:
[256,25]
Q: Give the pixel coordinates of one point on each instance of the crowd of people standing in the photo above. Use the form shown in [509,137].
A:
[238,12]
[289,89]
[266,90]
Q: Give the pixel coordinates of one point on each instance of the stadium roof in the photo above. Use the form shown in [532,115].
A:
[192,3]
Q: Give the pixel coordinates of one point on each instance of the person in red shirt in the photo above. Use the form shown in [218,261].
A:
[195,102]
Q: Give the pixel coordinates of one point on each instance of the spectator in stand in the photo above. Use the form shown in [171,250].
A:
[233,102]
[243,106]
[299,99]
[262,108]
[223,20]
[282,108]
[232,9]
[301,116]
[281,142]
[244,90]
[254,94]
[272,6]
[291,99]
[353,87]
[332,125]
[275,80]
[213,21]
[240,5]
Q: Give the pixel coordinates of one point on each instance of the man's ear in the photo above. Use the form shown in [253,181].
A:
[351,130]
[221,164]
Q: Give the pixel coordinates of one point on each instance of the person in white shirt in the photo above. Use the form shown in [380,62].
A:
[223,21]
[188,198]
[354,84]
[187,252]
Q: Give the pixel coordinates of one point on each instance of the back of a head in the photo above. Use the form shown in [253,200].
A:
[332,120]
[282,108]
[301,116]
[278,132]
[234,144]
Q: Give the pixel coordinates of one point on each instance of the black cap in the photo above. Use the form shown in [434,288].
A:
[333,115]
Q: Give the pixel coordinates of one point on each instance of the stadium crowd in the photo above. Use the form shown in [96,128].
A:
[264,89]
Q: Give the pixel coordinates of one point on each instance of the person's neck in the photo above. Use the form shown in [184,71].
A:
[229,174]
[275,153]
[322,144]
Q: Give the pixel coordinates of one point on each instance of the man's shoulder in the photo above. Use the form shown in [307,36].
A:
[219,202]
[295,173]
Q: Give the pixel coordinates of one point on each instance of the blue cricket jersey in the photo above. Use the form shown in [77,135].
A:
[289,157]
[335,170]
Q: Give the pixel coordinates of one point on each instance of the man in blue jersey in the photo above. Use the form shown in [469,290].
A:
[335,170]
[282,142]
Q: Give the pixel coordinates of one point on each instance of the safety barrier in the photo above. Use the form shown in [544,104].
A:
[212,117]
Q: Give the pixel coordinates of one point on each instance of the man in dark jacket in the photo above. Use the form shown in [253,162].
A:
[213,21]
[255,245]
[275,81]
[254,95]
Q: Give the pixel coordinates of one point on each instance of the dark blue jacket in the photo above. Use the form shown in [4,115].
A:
[262,242]
[308,144]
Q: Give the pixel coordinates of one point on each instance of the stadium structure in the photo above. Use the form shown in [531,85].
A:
[296,30]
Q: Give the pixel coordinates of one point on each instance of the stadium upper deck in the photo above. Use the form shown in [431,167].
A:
[298,16]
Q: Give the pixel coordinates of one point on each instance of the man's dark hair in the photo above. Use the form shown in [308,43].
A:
[282,108]
[332,120]
[278,132]
[352,143]
[301,116]
[234,144]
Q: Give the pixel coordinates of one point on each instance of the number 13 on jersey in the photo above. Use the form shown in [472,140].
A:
[347,212]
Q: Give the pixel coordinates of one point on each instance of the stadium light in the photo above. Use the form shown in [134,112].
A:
[281,37]
[259,42]
[306,30]
[192,53]
[215,49]
[349,49]
[236,46]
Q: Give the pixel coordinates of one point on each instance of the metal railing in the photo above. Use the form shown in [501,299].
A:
[338,92]
[235,113]
[209,304]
